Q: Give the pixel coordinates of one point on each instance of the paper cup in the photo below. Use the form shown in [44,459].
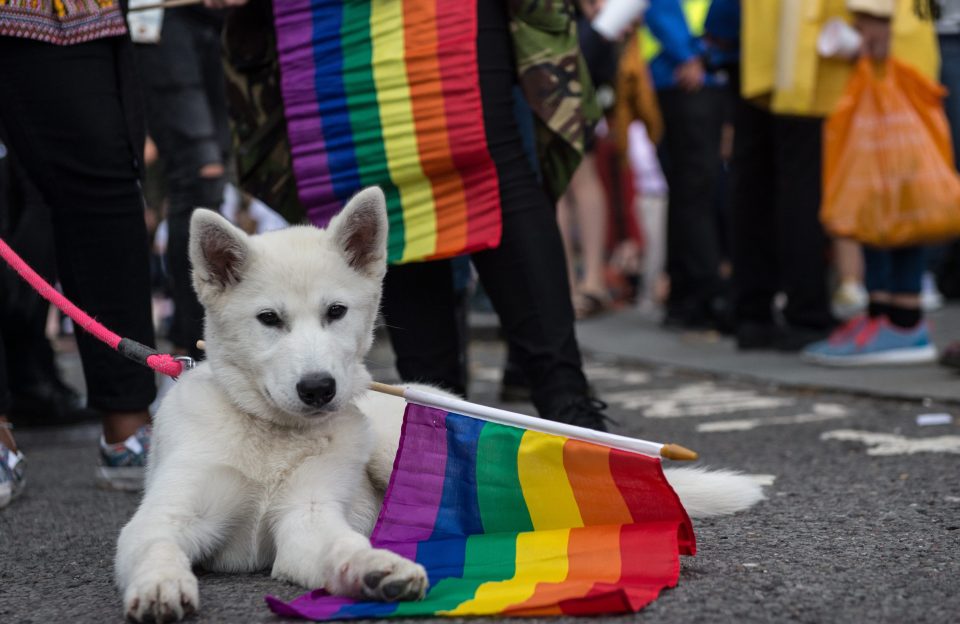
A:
[616,16]
[839,40]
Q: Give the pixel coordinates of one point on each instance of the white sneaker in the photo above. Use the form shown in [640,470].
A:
[849,300]
[122,465]
[930,297]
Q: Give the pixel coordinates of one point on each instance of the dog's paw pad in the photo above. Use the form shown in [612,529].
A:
[372,579]
[388,577]
[161,596]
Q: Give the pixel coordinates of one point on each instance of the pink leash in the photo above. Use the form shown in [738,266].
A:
[131,349]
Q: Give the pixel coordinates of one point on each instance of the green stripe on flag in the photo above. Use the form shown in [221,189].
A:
[361,92]
[502,507]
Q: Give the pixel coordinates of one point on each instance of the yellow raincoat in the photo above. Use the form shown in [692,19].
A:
[780,64]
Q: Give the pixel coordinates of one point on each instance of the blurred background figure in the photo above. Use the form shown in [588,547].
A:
[691,95]
[185,96]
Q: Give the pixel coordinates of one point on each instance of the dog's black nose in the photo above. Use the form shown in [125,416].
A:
[317,389]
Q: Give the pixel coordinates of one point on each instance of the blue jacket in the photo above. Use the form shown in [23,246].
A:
[668,25]
[723,25]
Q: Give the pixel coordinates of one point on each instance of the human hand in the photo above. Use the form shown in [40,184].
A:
[690,75]
[876,35]
[223,4]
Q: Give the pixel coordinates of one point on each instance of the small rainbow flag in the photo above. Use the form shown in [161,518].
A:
[386,92]
[508,521]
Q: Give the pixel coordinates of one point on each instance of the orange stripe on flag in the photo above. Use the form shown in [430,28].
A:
[594,557]
[598,497]
[429,116]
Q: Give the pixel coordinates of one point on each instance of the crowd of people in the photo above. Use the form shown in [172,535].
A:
[676,167]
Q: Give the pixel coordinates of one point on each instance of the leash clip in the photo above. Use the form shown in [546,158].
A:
[188,362]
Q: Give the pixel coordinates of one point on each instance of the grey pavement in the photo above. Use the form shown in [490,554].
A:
[845,535]
[637,336]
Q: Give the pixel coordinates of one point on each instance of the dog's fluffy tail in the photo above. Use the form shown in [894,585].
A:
[705,493]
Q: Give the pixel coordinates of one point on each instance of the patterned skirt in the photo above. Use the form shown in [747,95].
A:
[61,22]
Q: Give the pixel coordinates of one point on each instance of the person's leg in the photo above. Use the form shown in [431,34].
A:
[800,236]
[876,276]
[84,159]
[181,119]
[567,221]
[950,77]
[419,309]
[526,275]
[753,206]
[591,218]
[850,296]
[691,157]
[906,278]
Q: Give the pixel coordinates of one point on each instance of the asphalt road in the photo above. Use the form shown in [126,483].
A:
[844,535]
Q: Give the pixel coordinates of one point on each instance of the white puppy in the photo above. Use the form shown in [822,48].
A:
[267,455]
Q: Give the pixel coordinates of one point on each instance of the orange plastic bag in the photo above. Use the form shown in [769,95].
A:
[888,172]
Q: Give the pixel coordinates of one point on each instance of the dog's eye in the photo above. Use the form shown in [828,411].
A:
[336,311]
[270,318]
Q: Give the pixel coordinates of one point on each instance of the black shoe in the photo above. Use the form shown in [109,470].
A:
[793,338]
[756,335]
[514,387]
[582,412]
[49,403]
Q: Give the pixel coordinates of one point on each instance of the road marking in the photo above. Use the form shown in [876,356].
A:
[594,372]
[615,373]
[892,444]
[821,412]
[698,399]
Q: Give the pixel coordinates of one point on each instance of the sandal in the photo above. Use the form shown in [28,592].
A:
[587,305]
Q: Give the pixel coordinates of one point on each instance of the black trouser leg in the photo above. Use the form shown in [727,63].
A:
[71,124]
[753,205]
[800,235]
[419,308]
[691,160]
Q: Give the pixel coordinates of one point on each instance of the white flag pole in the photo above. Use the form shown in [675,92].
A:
[513,419]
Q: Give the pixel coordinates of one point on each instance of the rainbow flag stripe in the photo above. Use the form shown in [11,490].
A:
[386,92]
[514,522]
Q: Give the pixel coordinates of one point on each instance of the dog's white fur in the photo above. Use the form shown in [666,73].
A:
[246,475]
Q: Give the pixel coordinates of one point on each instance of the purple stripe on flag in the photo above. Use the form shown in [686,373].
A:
[417,481]
[298,85]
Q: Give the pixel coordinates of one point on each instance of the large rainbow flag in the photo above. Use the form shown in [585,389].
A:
[386,92]
[515,522]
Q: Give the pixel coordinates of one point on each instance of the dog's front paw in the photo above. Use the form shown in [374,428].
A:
[161,594]
[378,574]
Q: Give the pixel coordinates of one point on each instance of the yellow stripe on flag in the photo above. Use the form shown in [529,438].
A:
[541,558]
[546,487]
[399,134]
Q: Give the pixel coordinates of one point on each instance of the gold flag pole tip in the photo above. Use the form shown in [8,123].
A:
[678,453]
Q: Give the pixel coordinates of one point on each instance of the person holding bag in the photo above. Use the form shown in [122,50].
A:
[890,183]
[787,89]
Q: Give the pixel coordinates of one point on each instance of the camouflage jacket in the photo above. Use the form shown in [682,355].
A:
[550,70]
[554,77]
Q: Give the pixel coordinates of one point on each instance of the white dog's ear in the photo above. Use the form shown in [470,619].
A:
[360,231]
[219,251]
